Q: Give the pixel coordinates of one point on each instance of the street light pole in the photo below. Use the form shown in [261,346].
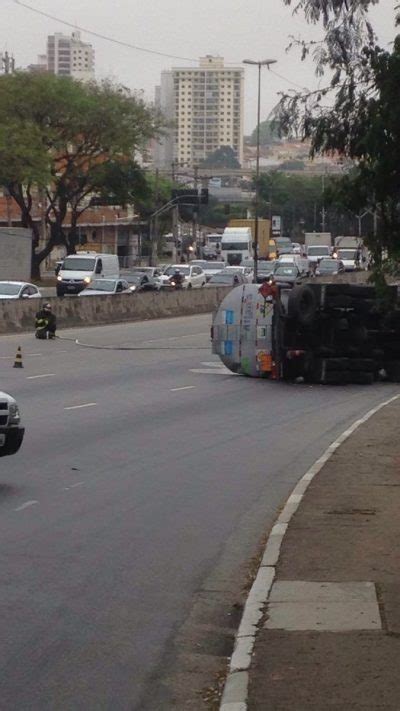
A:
[262,63]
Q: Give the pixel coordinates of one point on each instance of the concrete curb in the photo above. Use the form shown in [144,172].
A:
[235,694]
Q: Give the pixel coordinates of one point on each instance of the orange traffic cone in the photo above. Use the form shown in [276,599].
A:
[18,359]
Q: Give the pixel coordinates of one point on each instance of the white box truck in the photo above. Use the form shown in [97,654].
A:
[236,245]
[352,252]
[318,246]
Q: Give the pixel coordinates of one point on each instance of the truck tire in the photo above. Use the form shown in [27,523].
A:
[366,365]
[302,305]
[330,371]
[392,368]
[361,378]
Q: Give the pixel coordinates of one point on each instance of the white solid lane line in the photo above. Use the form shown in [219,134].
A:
[187,387]
[26,505]
[73,486]
[78,407]
[45,375]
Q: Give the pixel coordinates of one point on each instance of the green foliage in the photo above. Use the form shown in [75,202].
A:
[269,133]
[356,113]
[223,157]
[216,214]
[292,165]
[76,139]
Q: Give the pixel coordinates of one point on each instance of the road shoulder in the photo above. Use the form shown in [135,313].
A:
[313,652]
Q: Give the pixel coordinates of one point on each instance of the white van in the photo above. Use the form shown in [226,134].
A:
[302,263]
[78,270]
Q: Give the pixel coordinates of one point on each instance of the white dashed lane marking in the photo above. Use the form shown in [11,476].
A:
[79,407]
[73,486]
[26,505]
[44,375]
[186,387]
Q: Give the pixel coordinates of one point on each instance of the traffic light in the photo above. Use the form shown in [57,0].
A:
[185,196]
[204,196]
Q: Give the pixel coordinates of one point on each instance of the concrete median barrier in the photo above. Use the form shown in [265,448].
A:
[17,316]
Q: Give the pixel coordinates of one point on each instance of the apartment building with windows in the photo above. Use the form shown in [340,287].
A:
[69,56]
[206,106]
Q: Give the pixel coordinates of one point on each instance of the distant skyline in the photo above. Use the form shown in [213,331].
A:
[234,29]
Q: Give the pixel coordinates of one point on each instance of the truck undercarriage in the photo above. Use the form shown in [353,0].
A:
[322,333]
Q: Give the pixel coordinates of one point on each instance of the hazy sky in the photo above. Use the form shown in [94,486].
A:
[234,29]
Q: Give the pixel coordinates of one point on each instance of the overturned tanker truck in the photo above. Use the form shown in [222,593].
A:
[322,333]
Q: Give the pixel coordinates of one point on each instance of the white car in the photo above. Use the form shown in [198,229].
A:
[18,290]
[194,276]
[209,268]
[247,272]
[106,286]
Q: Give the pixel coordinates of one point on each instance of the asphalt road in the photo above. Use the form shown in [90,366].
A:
[146,481]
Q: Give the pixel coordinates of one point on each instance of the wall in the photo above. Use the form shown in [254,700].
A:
[15,253]
[16,316]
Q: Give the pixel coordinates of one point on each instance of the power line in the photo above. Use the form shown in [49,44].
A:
[121,43]
[99,35]
[288,80]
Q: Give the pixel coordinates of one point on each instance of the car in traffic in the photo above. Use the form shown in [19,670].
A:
[287,274]
[297,248]
[194,276]
[103,287]
[152,275]
[247,272]
[329,267]
[283,245]
[11,431]
[209,252]
[302,263]
[265,269]
[209,268]
[18,290]
[227,278]
[141,282]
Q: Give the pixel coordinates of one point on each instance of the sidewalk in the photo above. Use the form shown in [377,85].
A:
[337,645]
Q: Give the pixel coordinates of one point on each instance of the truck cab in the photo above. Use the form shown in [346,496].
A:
[236,245]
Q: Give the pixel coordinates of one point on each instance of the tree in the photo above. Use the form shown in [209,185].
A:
[84,134]
[223,157]
[269,133]
[355,113]
[217,214]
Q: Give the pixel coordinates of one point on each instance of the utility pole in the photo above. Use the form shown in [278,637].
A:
[154,224]
[8,203]
[8,63]
[259,65]
[175,217]
[323,211]
[195,213]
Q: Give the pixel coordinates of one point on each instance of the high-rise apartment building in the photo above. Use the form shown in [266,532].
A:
[205,104]
[69,56]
